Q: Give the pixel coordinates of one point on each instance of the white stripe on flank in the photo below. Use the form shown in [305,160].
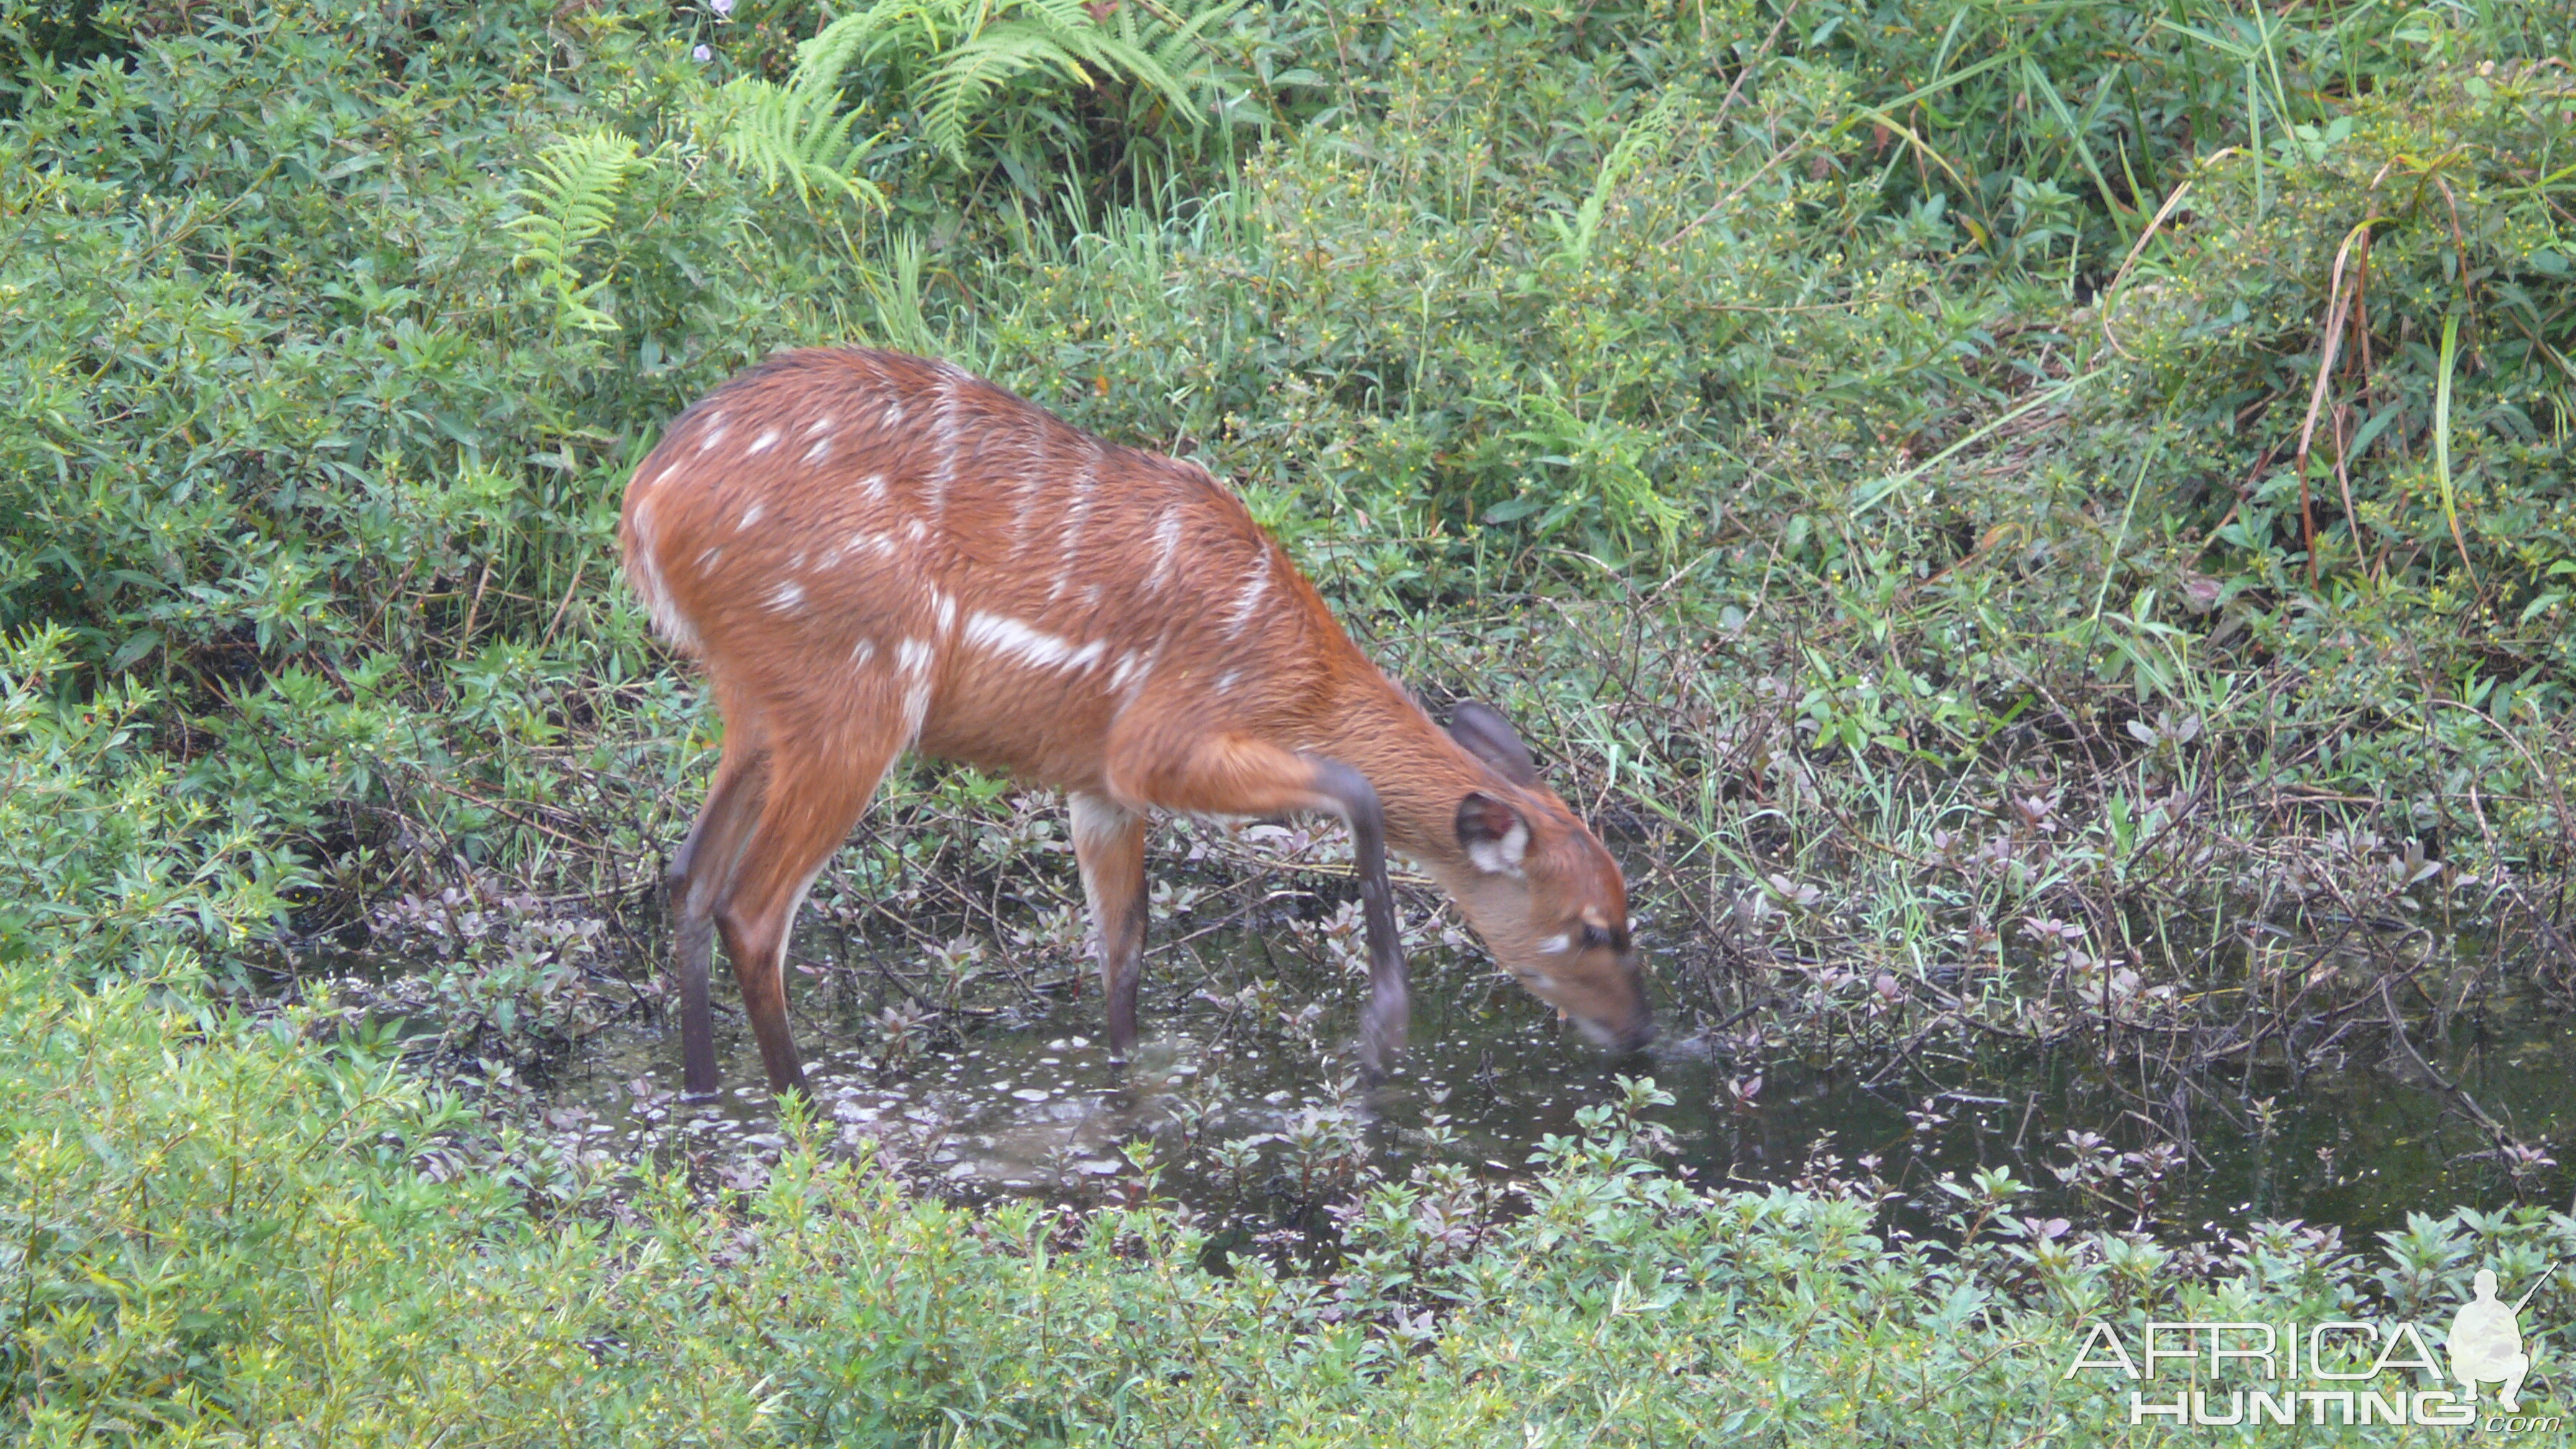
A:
[1069,543]
[1252,593]
[1129,677]
[765,442]
[947,471]
[1037,650]
[912,661]
[668,621]
[1167,546]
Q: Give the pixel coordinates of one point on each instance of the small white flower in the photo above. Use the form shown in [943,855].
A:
[703,53]
[721,7]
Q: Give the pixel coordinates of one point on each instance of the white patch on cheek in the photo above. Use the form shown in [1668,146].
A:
[1558,944]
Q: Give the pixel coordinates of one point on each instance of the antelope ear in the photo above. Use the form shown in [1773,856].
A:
[1493,833]
[1489,737]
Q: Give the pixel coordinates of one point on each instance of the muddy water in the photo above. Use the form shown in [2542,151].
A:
[1027,1102]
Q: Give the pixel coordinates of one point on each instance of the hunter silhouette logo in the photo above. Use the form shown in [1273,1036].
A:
[2486,1342]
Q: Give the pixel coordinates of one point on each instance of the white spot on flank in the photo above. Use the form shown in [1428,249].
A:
[765,441]
[707,559]
[820,425]
[945,605]
[912,656]
[786,596]
[872,543]
[796,560]
[918,529]
[750,516]
[819,452]
[713,436]
[1225,682]
[1037,650]
[872,487]
[865,651]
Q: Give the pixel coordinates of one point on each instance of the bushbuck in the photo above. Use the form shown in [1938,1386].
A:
[870,552]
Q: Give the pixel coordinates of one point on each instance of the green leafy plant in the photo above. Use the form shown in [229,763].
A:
[956,58]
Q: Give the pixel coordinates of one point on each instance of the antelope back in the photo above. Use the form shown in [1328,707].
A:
[843,530]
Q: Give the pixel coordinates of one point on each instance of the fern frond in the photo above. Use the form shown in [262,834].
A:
[572,196]
[975,69]
[863,33]
[955,55]
[801,135]
[1118,57]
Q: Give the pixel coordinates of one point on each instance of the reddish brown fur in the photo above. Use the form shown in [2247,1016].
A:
[872,552]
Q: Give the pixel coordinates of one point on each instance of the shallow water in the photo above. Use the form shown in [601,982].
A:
[1028,1103]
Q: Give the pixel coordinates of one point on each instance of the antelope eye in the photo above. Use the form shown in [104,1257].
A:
[1594,937]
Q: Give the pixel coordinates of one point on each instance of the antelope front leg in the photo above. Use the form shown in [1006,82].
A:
[1109,845]
[1390,1005]
[1232,775]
